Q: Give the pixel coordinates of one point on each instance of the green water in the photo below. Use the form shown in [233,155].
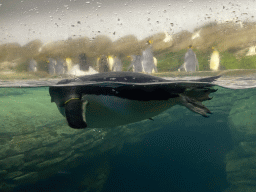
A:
[179,150]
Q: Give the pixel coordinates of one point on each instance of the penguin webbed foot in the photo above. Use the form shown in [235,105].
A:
[195,106]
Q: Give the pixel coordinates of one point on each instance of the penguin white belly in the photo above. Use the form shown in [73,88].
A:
[215,61]
[110,111]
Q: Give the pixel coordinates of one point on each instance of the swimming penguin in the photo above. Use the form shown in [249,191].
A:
[106,100]
[215,60]
[32,66]
[136,63]
[190,61]
[148,60]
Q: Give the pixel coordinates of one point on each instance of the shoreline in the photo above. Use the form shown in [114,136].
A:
[234,78]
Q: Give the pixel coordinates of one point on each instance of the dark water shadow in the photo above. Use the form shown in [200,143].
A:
[188,160]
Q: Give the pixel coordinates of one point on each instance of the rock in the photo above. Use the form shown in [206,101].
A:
[242,118]
[10,162]
[30,177]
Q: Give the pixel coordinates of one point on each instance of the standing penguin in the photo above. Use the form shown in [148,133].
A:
[51,66]
[117,65]
[84,64]
[136,63]
[148,60]
[110,62]
[32,66]
[60,69]
[215,60]
[102,64]
[69,64]
[190,61]
[155,63]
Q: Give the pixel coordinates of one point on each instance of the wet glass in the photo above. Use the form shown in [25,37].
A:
[44,42]
[48,40]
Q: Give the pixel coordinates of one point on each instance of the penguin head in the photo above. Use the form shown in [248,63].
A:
[149,42]
[69,100]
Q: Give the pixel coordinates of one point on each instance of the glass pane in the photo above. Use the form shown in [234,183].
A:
[113,95]
[49,39]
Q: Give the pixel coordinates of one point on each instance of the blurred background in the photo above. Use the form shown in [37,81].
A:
[75,37]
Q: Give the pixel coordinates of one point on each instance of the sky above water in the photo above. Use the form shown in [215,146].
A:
[50,20]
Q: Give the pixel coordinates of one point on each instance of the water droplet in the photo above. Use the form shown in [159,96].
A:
[87,2]
[99,6]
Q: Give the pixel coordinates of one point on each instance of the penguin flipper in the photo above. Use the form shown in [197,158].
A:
[75,114]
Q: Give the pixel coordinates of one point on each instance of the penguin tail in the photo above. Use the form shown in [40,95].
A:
[192,99]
